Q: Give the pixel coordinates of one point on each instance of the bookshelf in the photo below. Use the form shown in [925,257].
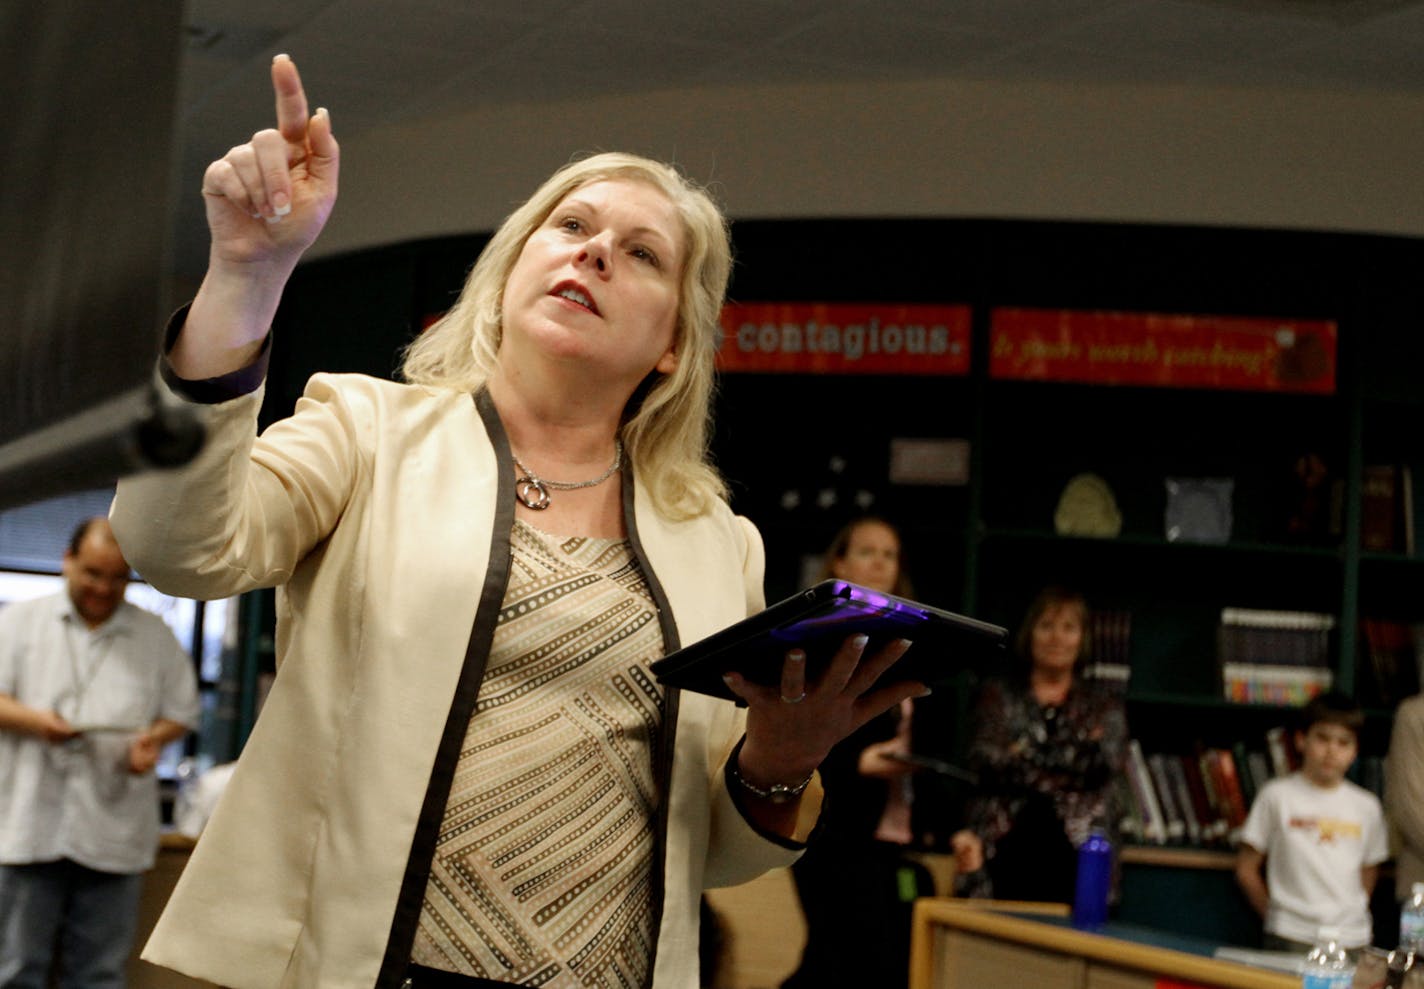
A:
[1296,462]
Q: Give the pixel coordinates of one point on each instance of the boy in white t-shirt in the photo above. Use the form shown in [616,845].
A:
[1320,837]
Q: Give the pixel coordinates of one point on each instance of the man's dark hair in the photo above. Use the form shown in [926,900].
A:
[80,531]
[1332,708]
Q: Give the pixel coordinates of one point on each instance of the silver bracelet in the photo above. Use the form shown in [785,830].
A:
[777,793]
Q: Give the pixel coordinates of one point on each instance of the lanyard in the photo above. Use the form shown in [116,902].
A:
[80,683]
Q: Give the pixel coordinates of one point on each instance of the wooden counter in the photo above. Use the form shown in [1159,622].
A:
[958,944]
[1179,858]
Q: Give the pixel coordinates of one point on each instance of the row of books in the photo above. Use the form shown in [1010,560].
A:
[1201,798]
[1289,686]
[1274,657]
[1281,638]
[1278,657]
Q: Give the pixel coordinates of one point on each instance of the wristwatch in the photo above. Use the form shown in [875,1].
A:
[777,793]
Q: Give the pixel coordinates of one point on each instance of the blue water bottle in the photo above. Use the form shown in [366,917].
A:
[1090,896]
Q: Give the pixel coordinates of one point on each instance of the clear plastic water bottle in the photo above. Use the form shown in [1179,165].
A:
[1411,921]
[1090,894]
[1327,966]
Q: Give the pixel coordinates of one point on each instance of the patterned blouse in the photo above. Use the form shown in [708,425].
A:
[1069,753]
[543,869]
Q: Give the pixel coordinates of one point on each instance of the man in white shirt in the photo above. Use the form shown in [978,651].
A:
[91,690]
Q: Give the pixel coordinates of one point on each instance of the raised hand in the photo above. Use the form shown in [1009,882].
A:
[268,199]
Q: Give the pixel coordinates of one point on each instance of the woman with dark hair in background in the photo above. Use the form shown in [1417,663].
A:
[1046,746]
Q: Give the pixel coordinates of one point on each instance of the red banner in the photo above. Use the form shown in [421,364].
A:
[1110,348]
[834,338]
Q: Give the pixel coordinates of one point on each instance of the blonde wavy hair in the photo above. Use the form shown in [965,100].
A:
[667,423]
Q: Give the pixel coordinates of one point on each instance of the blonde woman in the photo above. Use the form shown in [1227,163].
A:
[464,774]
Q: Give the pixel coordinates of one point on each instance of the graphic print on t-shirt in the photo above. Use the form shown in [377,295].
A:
[1327,830]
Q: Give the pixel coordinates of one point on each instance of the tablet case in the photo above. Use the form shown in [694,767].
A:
[818,620]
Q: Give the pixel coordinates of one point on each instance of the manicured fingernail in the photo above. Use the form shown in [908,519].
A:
[904,643]
[796,656]
[281,55]
[324,112]
[281,204]
[925,692]
[860,640]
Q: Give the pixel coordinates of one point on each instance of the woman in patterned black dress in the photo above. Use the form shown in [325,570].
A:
[1046,746]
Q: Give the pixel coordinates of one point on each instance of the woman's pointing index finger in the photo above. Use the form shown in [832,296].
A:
[291,99]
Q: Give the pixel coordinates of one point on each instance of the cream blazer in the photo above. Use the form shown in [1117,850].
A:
[382,512]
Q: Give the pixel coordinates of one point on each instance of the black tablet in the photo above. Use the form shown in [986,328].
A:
[818,620]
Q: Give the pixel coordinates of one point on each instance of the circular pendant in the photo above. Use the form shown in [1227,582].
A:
[531,494]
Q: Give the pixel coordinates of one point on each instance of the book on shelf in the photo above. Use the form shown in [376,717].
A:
[1172,815]
[1211,771]
[1280,747]
[1154,829]
[1309,498]
[1210,824]
[1243,772]
[1194,823]
[1109,658]
[1231,801]
[1392,649]
[1387,508]
[1228,783]
[1377,504]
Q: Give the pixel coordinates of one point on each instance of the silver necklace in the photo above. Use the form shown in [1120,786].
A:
[533,490]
